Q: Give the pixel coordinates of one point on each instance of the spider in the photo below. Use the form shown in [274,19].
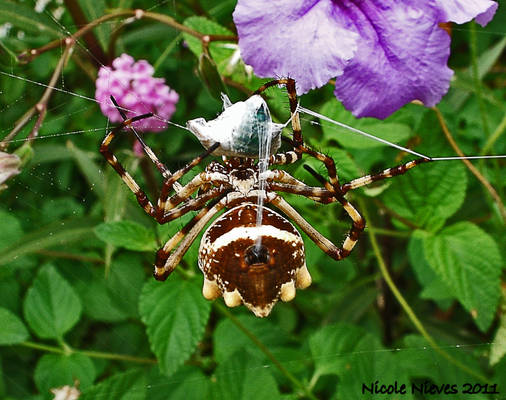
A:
[235,265]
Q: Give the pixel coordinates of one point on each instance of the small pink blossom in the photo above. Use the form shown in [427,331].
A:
[136,90]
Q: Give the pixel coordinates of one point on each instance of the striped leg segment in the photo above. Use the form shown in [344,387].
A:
[159,165]
[292,97]
[297,142]
[198,182]
[282,181]
[165,203]
[288,157]
[159,211]
[125,176]
[387,173]
[165,260]
[321,241]
[192,204]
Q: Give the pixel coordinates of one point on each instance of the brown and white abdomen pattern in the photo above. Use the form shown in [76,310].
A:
[242,271]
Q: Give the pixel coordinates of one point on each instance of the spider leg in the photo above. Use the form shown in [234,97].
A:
[159,165]
[198,181]
[289,184]
[165,260]
[289,83]
[125,176]
[387,173]
[168,183]
[297,142]
[156,212]
[192,204]
[337,253]
[321,195]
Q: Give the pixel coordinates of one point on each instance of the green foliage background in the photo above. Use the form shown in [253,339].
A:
[77,300]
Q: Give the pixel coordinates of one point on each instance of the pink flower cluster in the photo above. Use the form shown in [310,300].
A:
[136,90]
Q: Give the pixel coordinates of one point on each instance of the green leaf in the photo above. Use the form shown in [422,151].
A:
[125,282]
[418,360]
[392,131]
[330,346]
[89,168]
[433,286]
[55,370]
[469,262]
[188,382]
[129,385]
[127,234]
[228,338]
[175,314]
[60,234]
[13,330]
[11,229]
[208,27]
[26,18]
[367,364]
[209,74]
[498,346]
[51,305]
[428,194]
[244,377]
[98,304]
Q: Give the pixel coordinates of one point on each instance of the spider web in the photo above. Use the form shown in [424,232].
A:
[33,213]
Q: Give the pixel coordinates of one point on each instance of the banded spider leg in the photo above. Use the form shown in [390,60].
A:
[166,208]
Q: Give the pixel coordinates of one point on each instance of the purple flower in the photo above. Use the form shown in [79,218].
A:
[384,53]
[136,90]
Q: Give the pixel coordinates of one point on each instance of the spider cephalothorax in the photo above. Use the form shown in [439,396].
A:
[243,261]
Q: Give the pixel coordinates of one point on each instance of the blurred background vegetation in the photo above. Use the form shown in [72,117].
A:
[419,300]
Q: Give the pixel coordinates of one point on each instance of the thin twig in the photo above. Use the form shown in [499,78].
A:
[66,350]
[501,128]
[404,304]
[69,43]
[468,164]
[41,106]
[69,256]
[29,55]
[89,37]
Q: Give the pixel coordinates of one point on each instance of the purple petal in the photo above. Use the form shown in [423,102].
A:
[461,11]
[402,57]
[310,41]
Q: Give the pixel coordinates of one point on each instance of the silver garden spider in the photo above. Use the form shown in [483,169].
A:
[232,265]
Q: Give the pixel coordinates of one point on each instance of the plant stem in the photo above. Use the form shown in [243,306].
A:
[69,256]
[69,43]
[93,354]
[29,55]
[41,106]
[468,164]
[404,304]
[113,356]
[476,77]
[99,57]
[265,350]
[501,128]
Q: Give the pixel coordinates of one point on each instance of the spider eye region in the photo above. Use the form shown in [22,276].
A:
[252,265]
[238,129]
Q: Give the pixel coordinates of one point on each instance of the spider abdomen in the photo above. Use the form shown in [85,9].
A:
[250,264]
